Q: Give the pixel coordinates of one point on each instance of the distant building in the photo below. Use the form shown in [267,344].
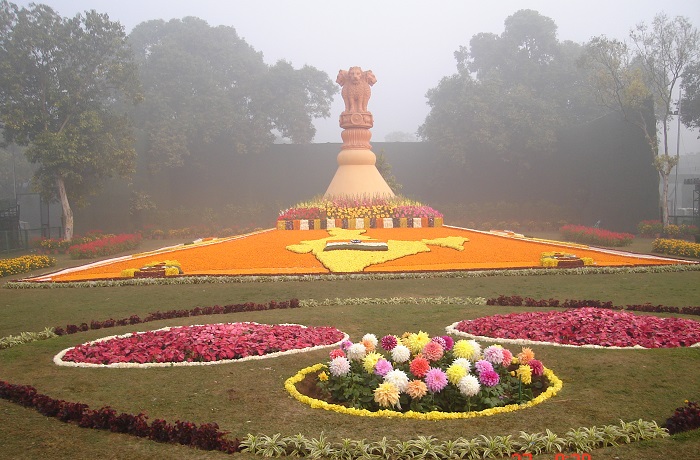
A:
[680,195]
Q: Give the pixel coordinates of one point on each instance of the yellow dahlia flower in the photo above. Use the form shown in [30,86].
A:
[370,360]
[386,395]
[455,373]
[524,373]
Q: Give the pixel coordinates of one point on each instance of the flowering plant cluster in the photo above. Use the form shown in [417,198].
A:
[204,343]
[561,259]
[591,235]
[585,327]
[680,231]
[24,264]
[684,418]
[167,268]
[298,213]
[377,207]
[651,228]
[676,247]
[54,245]
[105,246]
[418,373]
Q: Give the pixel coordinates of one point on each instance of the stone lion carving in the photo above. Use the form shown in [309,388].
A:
[356,88]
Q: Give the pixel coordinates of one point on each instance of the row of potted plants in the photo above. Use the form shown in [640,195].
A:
[359,223]
[360,207]
[25,264]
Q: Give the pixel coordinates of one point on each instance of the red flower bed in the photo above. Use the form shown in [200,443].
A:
[588,326]
[206,343]
[591,235]
[105,246]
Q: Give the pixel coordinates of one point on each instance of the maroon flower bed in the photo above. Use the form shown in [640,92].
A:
[588,326]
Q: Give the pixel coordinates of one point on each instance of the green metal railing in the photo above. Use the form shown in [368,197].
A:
[16,240]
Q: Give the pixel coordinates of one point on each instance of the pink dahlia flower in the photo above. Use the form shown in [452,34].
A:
[489,378]
[436,379]
[433,351]
[389,342]
[536,366]
[482,366]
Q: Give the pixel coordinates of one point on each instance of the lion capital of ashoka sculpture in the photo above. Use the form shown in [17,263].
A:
[356,93]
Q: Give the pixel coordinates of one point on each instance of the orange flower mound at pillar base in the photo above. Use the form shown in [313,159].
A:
[265,253]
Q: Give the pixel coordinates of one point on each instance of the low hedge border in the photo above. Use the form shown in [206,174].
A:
[226,279]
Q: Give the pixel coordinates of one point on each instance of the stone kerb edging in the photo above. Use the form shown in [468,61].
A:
[58,359]
[360,223]
[452,329]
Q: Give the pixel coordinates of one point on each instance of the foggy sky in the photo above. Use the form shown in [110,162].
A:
[408,44]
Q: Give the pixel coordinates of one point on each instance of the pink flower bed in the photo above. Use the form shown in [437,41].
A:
[205,343]
[587,326]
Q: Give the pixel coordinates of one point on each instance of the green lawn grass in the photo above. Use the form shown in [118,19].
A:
[600,386]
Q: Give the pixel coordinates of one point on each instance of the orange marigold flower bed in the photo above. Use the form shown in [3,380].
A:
[265,253]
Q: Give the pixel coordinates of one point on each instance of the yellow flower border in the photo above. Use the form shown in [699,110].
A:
[290,386]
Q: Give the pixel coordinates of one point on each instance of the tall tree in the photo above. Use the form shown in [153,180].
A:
[205,86]
[633,82]
[60,82]
[511,94]
[690,102]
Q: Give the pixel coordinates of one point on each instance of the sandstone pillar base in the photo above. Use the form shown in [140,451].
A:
[357,175]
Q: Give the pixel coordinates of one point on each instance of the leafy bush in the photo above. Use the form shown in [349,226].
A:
[685,418]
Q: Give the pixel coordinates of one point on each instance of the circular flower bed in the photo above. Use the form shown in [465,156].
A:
[199,345]
[583,327]
[415,376]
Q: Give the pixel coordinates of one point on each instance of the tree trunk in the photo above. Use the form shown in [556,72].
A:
[65,206]
[664,198]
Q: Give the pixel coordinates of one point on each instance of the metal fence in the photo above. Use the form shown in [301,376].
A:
[16,240]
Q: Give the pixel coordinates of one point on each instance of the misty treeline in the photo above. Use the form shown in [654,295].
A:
[176,123]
